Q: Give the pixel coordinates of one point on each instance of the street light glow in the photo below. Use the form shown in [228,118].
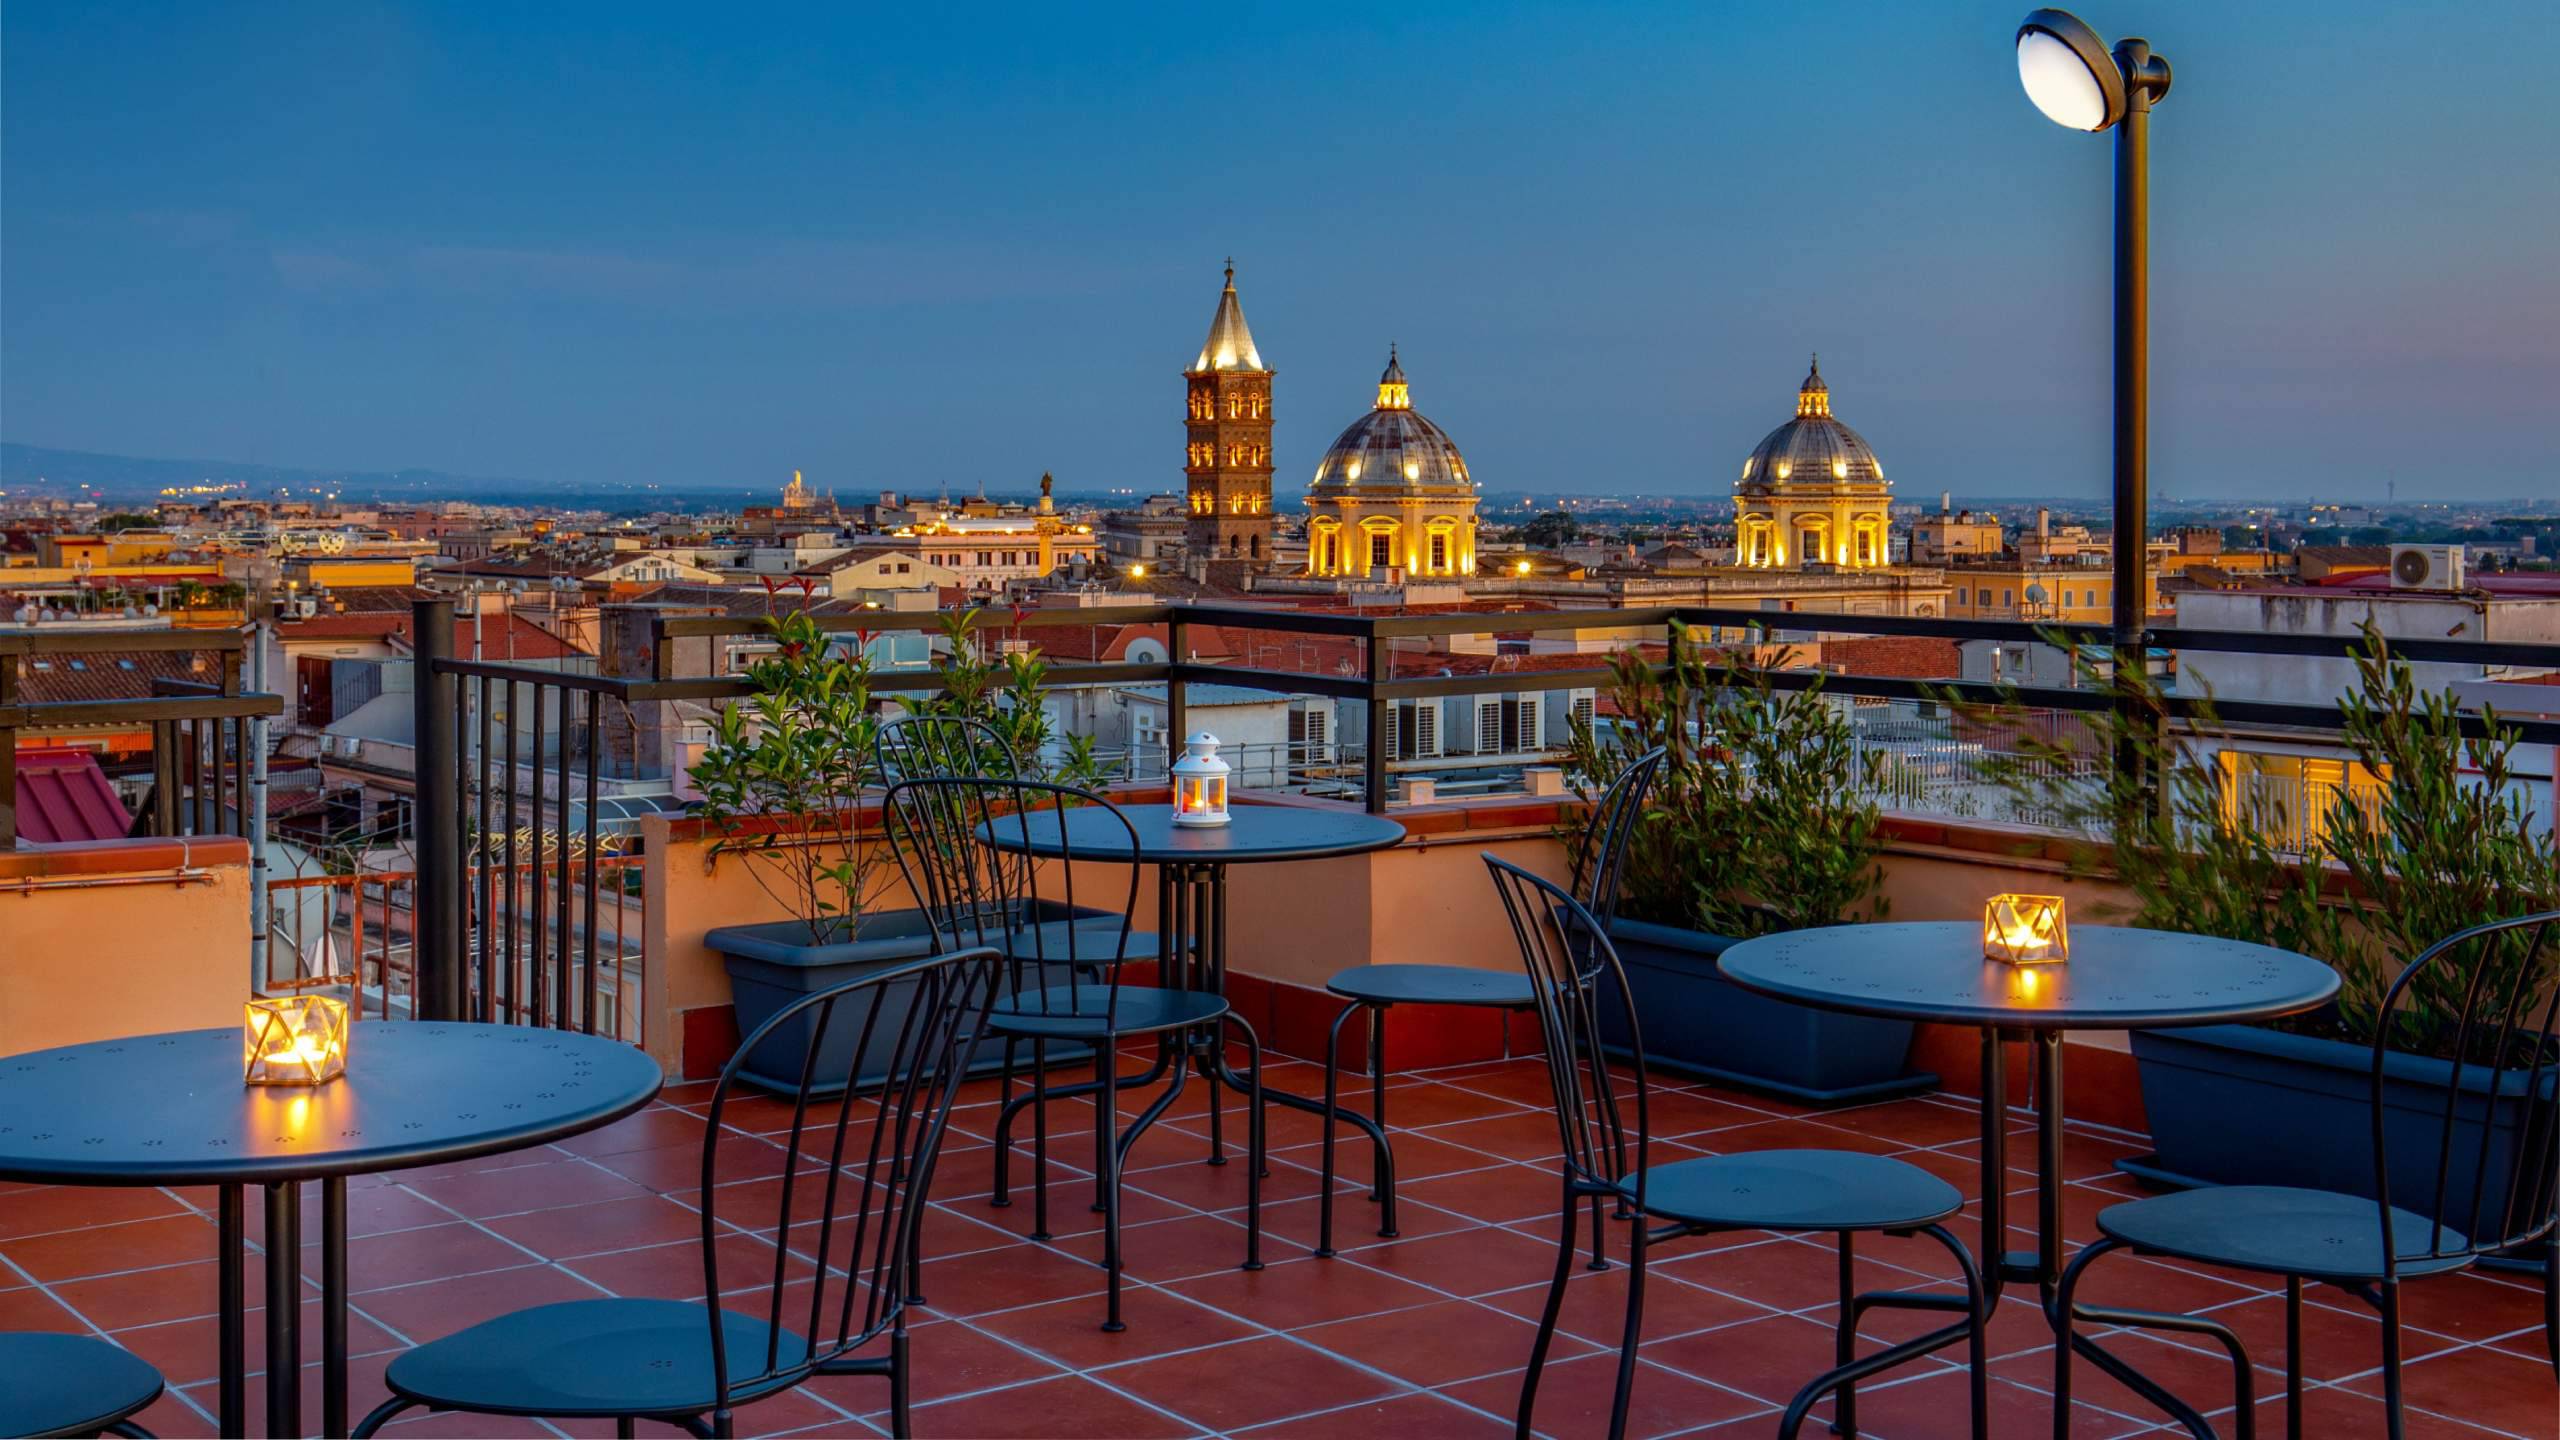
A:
[2067,71]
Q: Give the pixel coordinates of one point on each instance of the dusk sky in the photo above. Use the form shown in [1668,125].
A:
[916,246]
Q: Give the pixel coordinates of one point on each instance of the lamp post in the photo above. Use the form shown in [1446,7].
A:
[2079,84]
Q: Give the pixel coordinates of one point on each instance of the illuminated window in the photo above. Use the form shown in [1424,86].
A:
[1382,550]
[1439,551]
[1332,555]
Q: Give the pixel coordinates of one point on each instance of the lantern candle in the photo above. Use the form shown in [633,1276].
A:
[2025,930]
[294,1040]
[1200,783]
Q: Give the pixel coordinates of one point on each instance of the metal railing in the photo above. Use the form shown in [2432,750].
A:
[462,846]
[200,747]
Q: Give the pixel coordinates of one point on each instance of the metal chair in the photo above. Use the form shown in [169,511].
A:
[974,892]
[854,1181]
[2490,1191]
[1374,989]
[1570,965]
[72,1385]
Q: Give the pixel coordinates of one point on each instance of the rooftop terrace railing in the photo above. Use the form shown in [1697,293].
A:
[199,730]
[600,724]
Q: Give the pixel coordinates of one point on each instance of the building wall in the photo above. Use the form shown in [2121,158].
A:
[106,942]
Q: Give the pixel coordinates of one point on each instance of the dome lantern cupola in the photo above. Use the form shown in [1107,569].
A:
[1813,397]
[1393,393]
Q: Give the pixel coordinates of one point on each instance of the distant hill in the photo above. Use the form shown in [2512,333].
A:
[128,477]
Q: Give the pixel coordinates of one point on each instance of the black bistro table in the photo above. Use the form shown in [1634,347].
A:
[2117,978]
[173,1110]
[1191,902]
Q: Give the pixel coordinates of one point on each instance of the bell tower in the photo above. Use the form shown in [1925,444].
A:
[1227,459]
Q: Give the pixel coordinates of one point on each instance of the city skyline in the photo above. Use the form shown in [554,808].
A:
[591,250]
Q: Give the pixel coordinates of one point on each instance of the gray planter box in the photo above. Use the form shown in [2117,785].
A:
[1698,1023]
[2241,1105]
[773,964]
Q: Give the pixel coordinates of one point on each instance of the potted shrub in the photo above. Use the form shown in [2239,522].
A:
[784,784]
[1761,819]
[2443,840]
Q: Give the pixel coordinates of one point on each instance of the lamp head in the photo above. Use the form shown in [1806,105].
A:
[2067,71]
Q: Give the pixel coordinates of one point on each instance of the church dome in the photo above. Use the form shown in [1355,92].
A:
[1813,449]
[1392,447]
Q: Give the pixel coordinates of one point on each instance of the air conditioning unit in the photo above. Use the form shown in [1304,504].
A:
[2426,567]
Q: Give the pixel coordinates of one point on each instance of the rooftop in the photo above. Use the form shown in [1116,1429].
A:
[1417,1336]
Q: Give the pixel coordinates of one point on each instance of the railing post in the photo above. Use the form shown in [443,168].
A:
[1176,712]
[437,926]
[8,755]
[1373,763]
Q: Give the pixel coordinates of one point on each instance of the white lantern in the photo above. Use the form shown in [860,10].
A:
[1200,783]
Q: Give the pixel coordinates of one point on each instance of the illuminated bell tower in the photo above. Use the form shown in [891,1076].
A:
[1227,430]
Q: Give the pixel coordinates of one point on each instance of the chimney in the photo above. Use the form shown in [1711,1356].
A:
[2044,523]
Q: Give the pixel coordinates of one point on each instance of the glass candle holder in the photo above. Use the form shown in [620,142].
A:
[294,1040]
[2025,930]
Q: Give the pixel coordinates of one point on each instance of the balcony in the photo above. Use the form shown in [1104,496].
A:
[532,903]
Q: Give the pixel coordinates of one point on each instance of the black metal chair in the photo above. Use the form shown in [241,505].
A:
[1375,989]
[2491,1191]
[72,1385]
[975,893]
[853,1190]
[1571,967]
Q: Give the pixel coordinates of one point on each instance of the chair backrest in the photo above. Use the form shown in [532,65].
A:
[2489,999]
[855,1171]
[1603,857]
[926,746]
[1573,970]
[967,848]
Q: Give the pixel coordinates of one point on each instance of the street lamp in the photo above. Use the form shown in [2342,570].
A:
[2078,83]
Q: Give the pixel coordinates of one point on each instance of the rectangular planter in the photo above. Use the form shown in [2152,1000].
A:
[2240,1105]
[1698,1023]
[773,964]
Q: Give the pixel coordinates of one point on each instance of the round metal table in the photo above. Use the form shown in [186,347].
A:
[2116,979]
[1191,905]
[173,1110]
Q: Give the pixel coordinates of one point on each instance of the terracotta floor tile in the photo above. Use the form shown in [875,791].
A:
[187,1351]
[655,1128]
[1248,1382]
[2201,1378]
[968,1285]
[2340,1337]
[480,1195]
[569,1231]
[1574,1398]
[1503,1192]
[1770,1358]
[1418,1154]
[949,1359]
[1439,1345]
[1595,1305]
[1356,1221]
[1295,1293]
[171,1292]
[406,1257]
[41,1209]
[1066,1408]
[2472,1306]
[1940,1407]
[28,1308]
[673,1271]
[440,1307]
[2483,1387]
[1405,1417]
[1464,1263]
[1912,1122]
[2328,1411]
[106,1249]
[1069,1331]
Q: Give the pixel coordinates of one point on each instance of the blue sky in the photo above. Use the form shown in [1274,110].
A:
[903,247]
